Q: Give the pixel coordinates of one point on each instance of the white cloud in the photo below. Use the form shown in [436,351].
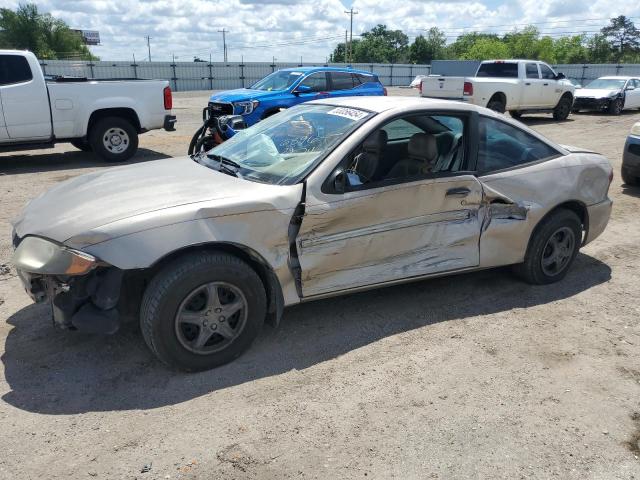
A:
[289,29]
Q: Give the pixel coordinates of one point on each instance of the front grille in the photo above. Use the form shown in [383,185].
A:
[220,108]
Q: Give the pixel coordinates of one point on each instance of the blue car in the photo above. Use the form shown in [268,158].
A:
[291,86]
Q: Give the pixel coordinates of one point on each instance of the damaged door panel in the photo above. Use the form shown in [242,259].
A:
[383,234]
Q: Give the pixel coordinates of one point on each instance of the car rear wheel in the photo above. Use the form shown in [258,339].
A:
[616,106]
[562,110]
[552,248]
[81,144]
[114,139]
[202,311]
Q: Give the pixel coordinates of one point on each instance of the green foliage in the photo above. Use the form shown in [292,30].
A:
[46,36]
[617,42]
[431,47]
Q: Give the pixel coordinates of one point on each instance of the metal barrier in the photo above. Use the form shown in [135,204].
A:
[186,76]
[584,73]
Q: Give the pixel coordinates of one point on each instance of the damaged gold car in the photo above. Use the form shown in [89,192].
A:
[326,198]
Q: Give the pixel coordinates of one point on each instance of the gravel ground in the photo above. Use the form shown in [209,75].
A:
[472,376]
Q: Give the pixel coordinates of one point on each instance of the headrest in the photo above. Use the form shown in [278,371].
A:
[375,142]
[445,141]
[423,146]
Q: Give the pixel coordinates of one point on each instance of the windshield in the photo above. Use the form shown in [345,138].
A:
[280,80]
[607,83]
[284,147]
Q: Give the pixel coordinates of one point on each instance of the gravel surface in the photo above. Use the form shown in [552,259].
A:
[471,376]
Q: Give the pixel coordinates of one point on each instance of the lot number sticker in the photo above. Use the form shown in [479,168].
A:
[351,113]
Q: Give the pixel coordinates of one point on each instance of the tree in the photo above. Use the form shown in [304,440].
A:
[571,49]
[599,50]
[464,42]
[486,49]
[424,50]
[523,44]
[622,35]
[44,35]
[381,45]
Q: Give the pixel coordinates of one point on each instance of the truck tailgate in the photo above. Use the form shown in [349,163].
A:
[443,87]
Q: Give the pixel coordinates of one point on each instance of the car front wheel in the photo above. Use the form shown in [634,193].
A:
[552,248]
[202,310]
[616,106]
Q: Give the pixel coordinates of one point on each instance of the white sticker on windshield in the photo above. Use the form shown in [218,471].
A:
[296,73]
[351,113]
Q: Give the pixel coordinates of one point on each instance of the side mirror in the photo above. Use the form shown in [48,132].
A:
[339,181]
[302,89]
[560,76]
[630,87]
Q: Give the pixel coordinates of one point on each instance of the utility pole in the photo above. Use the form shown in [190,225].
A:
[224,42]
[351,13]
[149,45]
[346,44]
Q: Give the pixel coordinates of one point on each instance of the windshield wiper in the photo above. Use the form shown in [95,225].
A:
[224,165]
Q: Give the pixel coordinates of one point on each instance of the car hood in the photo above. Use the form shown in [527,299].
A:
[243,94]
[83,204]
[596,92]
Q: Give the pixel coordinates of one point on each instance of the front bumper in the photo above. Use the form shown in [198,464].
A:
[88,303]
[590,103]
[598,215]
[169,123]
[631,156]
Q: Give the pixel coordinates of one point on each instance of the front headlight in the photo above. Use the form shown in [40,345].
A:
[613,94]
[37,255]
[245,108]
[635,130]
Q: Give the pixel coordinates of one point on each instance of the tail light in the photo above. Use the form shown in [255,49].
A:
[168,98]
[384,91]
[468,89]
[420,87]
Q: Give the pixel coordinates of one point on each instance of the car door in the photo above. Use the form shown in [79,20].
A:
[25,102]
[532,90]
[388,230]
[318,85]
[632,97]
[551,90]
[4,135]
[341,84]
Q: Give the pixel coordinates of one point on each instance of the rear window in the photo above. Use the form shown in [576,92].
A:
[498,70]
[341,81]
[14,69]
[360,78]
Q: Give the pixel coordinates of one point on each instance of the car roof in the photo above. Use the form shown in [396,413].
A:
[615,77]
[325,69]
[381,104]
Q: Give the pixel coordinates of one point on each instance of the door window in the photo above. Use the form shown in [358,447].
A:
[546,72]
[503,146]
[360,79]
[532,70]
[341,81]
[14,69]
[316,81]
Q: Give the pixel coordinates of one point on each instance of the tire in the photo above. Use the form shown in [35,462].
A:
[517,114]
[496,105]
[616,106]
[554,229]
[81,144]
[172,323]
[114,139]
[629,179]
[575,110]
[563,109]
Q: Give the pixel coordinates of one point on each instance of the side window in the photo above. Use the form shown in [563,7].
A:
[532,70]
[360,79]
[14,69]
[341,81]
[316,81]
[546,72]
[635,83]
[406,149]
[503,146]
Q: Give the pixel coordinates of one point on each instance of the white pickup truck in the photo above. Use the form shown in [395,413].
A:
[104,116]
[517,86]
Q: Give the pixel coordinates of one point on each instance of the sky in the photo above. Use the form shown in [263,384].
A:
[259,30]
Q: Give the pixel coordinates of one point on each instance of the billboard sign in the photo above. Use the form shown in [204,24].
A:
[89,37]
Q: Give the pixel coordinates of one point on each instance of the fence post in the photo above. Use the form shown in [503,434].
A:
[391,76]
[44,67]
[618,67]
[210,75]
[242,72]
[175,78]
[584,70]
[91,65]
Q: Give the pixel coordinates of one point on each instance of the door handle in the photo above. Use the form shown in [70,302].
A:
[458,192]
[545,84]
[527,83]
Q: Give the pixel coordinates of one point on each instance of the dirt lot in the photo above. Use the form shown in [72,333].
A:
[474,376]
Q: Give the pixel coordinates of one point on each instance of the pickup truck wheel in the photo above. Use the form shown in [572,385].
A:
[202,310]
[552,249]
[563,109]
[616,106]
[81,144]
[114,139]
[496,105]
